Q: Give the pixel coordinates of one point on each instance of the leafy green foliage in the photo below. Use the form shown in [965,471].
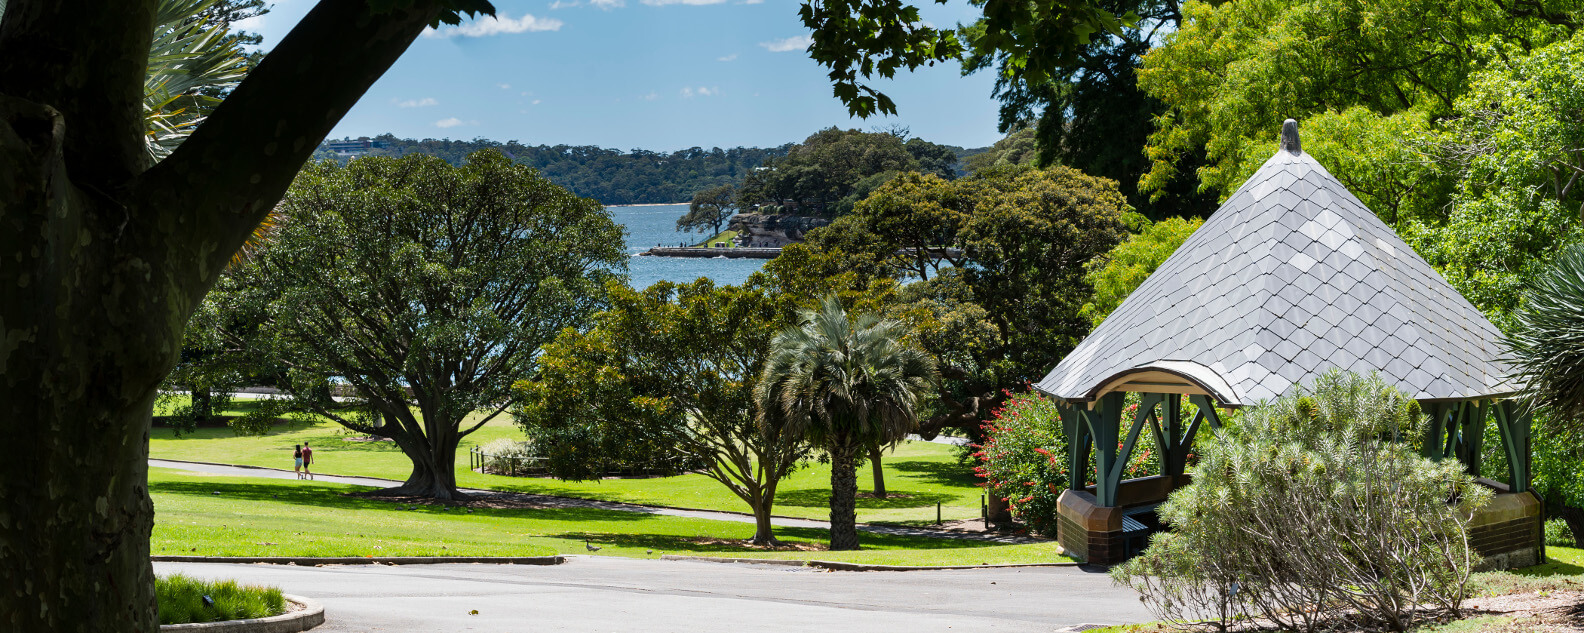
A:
[860,40]
[1008,302]
[422,284]
[1118,273]
[1021,459]
[610,176]
[1233,70]
[666,372]
[190,60]
[818,173]
[1313,508]
[181,600]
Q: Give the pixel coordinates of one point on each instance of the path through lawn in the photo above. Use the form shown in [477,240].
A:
[918,474]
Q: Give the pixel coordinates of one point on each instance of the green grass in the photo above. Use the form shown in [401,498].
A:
[181,600]
[997,555]
[723,236]
[272,517]
[919,474]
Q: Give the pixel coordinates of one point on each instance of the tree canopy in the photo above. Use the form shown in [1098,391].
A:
[832,169]
[669,370]
[423,286]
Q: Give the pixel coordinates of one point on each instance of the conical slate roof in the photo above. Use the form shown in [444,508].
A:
[1291,277]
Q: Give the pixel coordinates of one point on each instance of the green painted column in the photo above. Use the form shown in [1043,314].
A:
[1105,427]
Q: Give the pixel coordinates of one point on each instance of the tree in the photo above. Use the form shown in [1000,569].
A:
[425,286]
[710,210]
[669,370]
[108,254]
[826,167]
[845,384]
[1006,308]
[193,60]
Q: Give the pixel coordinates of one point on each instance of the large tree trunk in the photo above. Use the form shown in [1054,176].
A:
[104,259]
[433,466]
[844,494]
[764,532]
[879,473]
[1573,517]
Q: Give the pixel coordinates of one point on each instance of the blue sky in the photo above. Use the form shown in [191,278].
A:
[653,74]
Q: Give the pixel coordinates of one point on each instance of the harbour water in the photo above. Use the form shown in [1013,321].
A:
[650,226]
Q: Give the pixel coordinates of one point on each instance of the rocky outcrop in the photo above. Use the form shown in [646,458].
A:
[765,230]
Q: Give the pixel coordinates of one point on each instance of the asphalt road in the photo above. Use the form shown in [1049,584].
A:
[609,594]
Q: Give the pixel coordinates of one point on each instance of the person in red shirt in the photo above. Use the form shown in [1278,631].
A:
[307,460]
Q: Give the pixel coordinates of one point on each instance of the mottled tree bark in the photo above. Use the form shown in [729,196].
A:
[103,259]
[844,495]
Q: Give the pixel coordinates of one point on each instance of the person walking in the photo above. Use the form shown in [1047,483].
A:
[307,460]
[297,460]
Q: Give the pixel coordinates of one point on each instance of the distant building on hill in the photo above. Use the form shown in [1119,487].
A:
[349,147]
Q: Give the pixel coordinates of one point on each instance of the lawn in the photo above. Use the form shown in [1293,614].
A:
[218,515]
[918,474]
[723,236]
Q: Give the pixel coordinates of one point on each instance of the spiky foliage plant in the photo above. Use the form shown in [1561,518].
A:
[845,384]
[1311,510]
[1547,340]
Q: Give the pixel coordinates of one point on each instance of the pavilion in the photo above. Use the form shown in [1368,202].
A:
[1289,278]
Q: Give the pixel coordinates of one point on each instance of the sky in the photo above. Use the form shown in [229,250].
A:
[660,75]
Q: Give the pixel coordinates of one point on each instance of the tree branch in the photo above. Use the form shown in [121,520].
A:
[228,175]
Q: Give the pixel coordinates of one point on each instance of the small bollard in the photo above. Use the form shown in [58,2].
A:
[937,513]
[984,510]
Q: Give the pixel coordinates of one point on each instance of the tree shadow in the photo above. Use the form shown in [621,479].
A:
[336,496]
[820,498]
[936,472]
[1552,567]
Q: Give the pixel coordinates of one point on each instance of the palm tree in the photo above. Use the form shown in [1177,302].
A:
[1547,340]
[846,385]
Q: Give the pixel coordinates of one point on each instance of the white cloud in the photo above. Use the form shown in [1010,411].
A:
[753,1]
[558,4]
[652,95]
[503,86]
[415,103]
[696,3]
[688,92]
[496,25]
[451,122]
[797,43]
[607,4]
[537,101]
[726,58]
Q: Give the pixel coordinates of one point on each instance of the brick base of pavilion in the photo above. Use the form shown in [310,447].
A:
[1509,532]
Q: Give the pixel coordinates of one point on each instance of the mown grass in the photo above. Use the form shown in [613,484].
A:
[181,600]
[918,474]
[217,515]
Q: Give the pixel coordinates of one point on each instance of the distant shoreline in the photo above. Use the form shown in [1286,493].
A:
[647,204]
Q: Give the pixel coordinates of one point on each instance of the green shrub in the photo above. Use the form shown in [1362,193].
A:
[1024,454]
[181,600]
[1558,534]
[1309,509]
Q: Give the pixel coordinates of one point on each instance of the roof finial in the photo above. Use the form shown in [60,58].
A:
[1289,139]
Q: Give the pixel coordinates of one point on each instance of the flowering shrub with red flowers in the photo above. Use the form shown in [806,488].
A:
[1025,452]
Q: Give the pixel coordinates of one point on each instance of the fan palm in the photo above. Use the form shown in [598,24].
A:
[190,60]
[1547,340]
[846,385]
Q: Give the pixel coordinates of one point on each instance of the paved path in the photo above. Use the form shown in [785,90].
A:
[604,594]
[570,502]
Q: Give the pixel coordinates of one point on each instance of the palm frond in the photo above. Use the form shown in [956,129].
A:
[1547,342]
[185,58]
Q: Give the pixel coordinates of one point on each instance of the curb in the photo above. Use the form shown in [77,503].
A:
[842,566]
[360,560]
[311,615]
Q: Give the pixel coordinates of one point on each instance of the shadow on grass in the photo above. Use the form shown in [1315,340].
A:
[333,496]
[818,498]
[947,473]
[1552,567]
[670,543]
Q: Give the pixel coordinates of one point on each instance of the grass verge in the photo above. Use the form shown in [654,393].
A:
[215,515]
[181,600]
